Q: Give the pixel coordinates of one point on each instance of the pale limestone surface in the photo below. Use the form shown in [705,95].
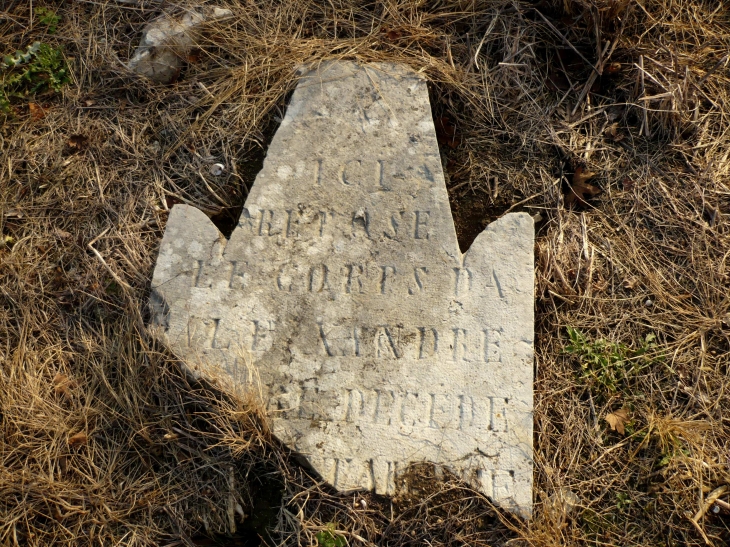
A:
[342,296]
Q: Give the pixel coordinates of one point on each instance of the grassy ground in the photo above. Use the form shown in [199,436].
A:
[607,119]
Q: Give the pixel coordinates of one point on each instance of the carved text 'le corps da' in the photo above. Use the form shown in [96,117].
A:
[347,278]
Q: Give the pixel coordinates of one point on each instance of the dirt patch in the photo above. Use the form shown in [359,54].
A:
[471,215]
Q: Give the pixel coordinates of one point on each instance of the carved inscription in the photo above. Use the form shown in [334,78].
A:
[394,408]
[346,473]
[345,278]
[357,173]
[216,333]
[342,298]
[434,410]
[350,473]
[363,222]
[397,341]
[354,173]
[455,344]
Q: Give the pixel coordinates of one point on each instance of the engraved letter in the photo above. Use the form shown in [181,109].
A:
[466,411]
[421,231]
[425,172]
[381,177]
[264,225]
[361,221]
[384,285]
[215,343]
[343,172]
[283,280]
[322,222]
[384,403]
[318,172]
[260,334]
[318,278]
[497,414]
[236,279]
[356,340]
[325,342]
[355,405]
[246,221]
[429,342]
[200,277]
[462,281]
[289,231]
[309,403]
[392,476]
[418,276]
[499,285]
[203,333]
[354,271]
[340,340]
[385,344]
[503,484]
[492,338]
[409,409]
[460,347]
[395,222]
[441,414]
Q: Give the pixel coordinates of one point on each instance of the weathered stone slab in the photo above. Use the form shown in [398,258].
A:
[343,297]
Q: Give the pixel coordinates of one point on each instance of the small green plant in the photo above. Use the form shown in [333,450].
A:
[47,17]
[595,525]
[675,451]
[330,537]
[607,365]
[623,501]
[39,69]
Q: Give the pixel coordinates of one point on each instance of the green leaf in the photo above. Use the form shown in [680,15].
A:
[48,17]
[330,537]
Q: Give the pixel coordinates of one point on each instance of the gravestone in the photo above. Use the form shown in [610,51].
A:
[343,299]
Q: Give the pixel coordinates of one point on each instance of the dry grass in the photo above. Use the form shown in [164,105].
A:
[106,442]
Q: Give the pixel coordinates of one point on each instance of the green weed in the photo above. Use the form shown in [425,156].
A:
[606,366]
[672,453]
[594,525]
[329,537]
[39,69]
[47,17]
[623,501]
[599,527]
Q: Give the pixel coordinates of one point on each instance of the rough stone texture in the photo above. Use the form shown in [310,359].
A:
[167,40]
[343,298]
